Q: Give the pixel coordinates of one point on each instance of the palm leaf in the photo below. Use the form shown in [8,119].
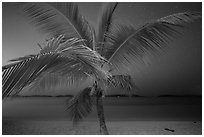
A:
[54,81]
[124,82]
[127,46]
[94,39]
[21,72]
[59,18]
[104,23]
[70,61]
[80,105]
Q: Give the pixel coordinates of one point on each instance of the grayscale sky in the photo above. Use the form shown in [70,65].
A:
[179,71]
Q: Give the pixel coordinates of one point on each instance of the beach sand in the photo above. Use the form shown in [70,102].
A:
[11,127]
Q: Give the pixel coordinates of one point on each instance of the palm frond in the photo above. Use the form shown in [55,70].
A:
[70,61]
[54,82]
[59,18]
[80,105]
[127,45]
[124,82]
[104,23]
[94,39]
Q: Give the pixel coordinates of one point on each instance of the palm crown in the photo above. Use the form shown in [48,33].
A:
[76,52]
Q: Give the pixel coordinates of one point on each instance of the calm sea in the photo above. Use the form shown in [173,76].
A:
[123,108]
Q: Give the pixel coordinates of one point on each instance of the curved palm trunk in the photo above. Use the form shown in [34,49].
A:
[100,111]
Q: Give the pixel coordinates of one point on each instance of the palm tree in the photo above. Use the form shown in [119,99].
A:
[76,53]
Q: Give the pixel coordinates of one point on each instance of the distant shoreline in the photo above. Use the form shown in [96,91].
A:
[115,95]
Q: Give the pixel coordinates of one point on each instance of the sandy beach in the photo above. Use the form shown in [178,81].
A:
[91,128]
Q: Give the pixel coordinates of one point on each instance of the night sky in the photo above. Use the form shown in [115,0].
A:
[179,71]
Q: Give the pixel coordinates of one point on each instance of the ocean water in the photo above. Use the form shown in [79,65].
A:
[116,109]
